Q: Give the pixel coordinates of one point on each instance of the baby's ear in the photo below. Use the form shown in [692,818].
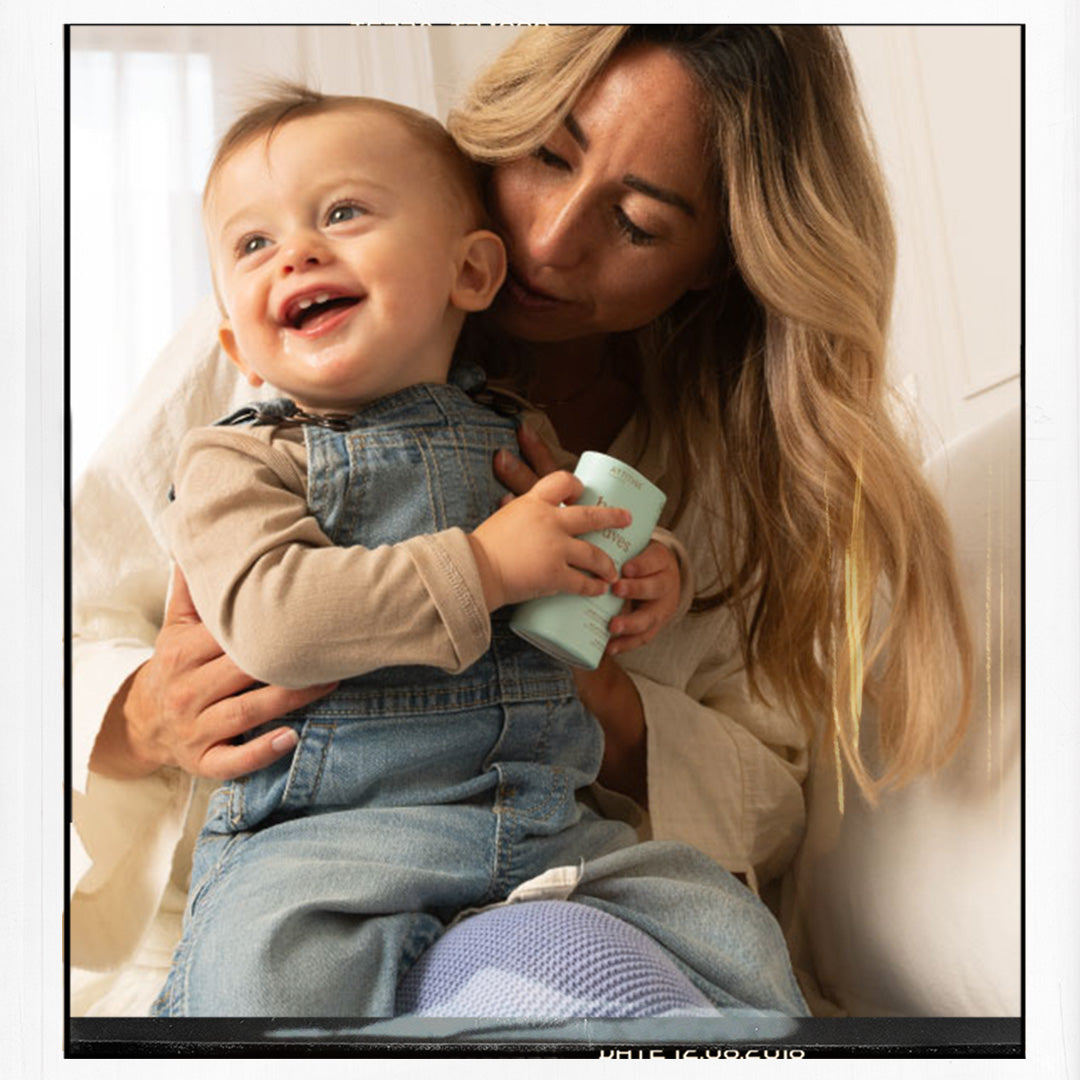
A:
[480,272]
[228,342]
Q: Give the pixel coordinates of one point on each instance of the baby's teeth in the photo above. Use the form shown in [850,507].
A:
[305,304]
[322,298]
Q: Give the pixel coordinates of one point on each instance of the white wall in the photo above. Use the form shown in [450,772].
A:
[944,103]
[458,52]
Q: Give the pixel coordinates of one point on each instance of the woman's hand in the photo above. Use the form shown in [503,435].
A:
[651,583]
[611,696]
[186,704]
[519,475]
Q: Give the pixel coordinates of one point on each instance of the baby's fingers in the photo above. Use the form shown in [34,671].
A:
[583,519]
[557,487]
[588,557]
[576,583]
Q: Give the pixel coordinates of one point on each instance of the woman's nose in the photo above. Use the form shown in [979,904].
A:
[557,236]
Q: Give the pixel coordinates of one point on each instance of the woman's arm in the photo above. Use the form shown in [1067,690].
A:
[725,772]
[715,768]
[611,696]
[127,698]
[185,706]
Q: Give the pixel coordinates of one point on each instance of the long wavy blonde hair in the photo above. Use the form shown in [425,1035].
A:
[838,560]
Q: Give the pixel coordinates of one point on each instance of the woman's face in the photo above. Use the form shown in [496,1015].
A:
[611,220]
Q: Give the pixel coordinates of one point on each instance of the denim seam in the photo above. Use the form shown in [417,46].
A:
[353,496]
[436,502]
[292,780]
[203,902]
[557,791]
[543,735]
[315,471]
[429,703]
[508,821]
[462,469]
[237,802]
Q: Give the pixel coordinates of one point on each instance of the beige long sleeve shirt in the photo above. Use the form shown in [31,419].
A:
[286,604]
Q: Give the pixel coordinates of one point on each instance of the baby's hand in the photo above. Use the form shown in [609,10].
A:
[651,582]
[531,546]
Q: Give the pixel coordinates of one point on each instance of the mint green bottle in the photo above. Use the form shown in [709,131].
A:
[575,628]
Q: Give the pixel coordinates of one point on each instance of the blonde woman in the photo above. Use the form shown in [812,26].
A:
[701,264]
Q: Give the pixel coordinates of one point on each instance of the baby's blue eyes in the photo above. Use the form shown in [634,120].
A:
[342,213]
[339,214]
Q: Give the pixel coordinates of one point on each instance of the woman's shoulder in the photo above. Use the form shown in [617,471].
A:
[190,384]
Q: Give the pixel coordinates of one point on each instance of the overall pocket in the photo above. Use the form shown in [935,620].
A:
[289,786]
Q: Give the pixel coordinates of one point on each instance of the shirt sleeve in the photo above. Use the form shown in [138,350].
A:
[289,606]
[715,782]
[120,568]
[124,832]
[724,769]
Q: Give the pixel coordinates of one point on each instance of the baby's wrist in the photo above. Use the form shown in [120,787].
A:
[490,581]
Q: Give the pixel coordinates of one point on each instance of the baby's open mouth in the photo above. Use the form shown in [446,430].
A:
[309,309]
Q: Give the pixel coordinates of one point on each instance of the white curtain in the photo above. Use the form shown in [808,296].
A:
[147,105]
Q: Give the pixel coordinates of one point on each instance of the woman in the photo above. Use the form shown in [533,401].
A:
[701,270]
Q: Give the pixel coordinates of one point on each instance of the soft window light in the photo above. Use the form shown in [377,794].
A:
[141,139]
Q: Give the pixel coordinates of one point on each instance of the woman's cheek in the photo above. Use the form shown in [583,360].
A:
[630,300]
[652,294]
[510,200]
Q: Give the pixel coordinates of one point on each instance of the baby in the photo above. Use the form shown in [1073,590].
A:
[352,531]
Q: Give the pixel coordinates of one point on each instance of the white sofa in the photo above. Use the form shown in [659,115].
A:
[913,909]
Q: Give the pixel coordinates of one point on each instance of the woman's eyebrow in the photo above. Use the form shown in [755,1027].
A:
[576,133]
[672,198]
[664,195]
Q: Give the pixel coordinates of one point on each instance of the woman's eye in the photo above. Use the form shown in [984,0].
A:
[547,157]
[250,244]
[343,212]
[633,232]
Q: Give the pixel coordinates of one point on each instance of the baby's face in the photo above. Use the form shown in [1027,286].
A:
[335,245]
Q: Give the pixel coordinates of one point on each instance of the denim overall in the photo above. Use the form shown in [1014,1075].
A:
[414,794]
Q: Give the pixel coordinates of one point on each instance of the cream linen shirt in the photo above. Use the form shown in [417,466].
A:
[725,772]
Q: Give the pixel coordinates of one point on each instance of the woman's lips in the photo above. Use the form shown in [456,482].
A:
[526,296]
